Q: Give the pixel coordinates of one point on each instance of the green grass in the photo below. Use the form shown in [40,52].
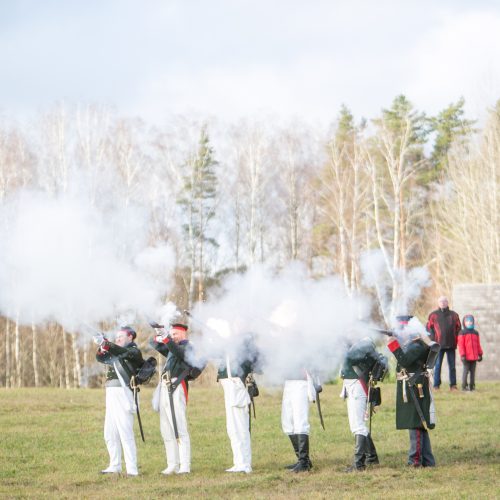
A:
[52,447]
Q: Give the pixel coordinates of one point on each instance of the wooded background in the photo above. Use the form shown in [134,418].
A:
[421,190]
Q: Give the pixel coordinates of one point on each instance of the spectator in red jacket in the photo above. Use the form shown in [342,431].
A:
[470,351]
[443,326]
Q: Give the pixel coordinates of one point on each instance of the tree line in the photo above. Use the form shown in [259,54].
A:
[419,190]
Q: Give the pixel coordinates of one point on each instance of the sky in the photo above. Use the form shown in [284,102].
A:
[236,58]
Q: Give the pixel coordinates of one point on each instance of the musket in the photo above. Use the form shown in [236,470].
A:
[155,325]
[389,333]
[90,327]
[369,408]
[196,320]
[168,381]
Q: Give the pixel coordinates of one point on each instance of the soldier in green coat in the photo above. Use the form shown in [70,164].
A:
[414,403]
[358,371]
[123,358]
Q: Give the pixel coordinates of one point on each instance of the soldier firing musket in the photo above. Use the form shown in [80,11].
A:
[362,368]
[298,392]
[173,395]
[416,354]
[235,374]
[240,389]
[124,360]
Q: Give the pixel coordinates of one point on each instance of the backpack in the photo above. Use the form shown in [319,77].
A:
[252,388]
[194,372]
[146,371]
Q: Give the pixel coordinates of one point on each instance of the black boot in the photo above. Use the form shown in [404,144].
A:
[360,451]
[304,464]
[294,438]
[371,453]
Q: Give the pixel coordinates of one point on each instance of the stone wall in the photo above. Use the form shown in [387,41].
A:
[483,302]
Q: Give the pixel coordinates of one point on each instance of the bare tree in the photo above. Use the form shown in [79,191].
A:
[34,353]
[395,156]
[342,190]
[8,356]
[296,166]
[467,212]
[250,158]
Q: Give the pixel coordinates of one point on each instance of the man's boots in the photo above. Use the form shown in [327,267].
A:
[371,453]
[294,438]
[304,464]
[360,451]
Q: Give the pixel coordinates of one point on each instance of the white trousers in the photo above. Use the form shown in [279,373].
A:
[295,408]
[178,452]
[356,405]
[236,400]
[119,430]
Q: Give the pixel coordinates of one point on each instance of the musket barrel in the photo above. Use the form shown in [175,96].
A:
[389,333]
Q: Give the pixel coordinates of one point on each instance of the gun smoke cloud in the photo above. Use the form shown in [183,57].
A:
[295,322]
[395,289]
[72,263]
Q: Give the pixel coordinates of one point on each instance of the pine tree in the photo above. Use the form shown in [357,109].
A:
[450,126]
[198,205]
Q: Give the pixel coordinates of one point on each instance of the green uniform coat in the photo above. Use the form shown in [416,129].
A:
[176,363]
[129,357]
[412,359]
[359,361]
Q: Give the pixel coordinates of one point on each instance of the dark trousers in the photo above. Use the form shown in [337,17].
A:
[469,367]
[450,356]
[420,453]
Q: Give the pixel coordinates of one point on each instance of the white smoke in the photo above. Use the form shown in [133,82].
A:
[411,331]
[395,289]
[66,261]
[295,322]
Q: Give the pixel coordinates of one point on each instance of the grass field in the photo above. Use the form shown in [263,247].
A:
[52,447]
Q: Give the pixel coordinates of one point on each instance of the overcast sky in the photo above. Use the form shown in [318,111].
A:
[232,58]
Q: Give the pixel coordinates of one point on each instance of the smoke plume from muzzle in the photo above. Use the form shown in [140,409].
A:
[66,261]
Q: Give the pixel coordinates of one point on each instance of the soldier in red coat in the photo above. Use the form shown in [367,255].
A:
[470,351]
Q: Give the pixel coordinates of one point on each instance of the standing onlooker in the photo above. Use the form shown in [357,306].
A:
[470,351]
[443,325]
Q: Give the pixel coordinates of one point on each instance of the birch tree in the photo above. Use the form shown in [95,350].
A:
[251,159]
[296,166]
[394,158]
[342,191]
[468,212]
